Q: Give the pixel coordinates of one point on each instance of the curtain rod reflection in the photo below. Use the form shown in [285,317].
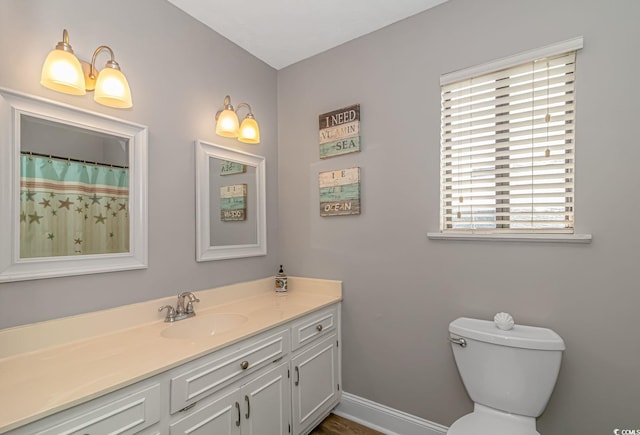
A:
[69,159]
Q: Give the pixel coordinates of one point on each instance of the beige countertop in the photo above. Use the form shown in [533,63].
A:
[51,366]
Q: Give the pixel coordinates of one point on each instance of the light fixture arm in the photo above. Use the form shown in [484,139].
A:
[111,63]
[250,114]
[228,106]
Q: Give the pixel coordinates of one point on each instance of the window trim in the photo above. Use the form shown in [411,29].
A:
[502,237]
[507,62]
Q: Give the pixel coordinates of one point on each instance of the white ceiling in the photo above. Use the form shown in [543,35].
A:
[282,32]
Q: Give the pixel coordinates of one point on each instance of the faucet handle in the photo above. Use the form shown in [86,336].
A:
[189,308]
[171,313]
[191,296]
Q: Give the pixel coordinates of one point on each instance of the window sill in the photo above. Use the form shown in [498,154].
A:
[546,238]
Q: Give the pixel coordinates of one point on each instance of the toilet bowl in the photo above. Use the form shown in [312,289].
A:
[509,374]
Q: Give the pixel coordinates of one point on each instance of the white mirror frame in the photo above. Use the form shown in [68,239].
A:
[204,251]
[13,268]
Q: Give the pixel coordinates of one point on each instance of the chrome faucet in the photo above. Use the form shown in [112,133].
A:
[187,311]
[180,312]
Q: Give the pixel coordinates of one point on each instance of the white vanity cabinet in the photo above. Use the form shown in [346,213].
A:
[282,381]
[292,398]
[316,368]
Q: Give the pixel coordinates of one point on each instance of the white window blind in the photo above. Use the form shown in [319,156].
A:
[507,149]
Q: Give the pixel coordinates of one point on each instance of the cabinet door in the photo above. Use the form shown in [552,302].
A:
[315,383]
[267,403]
[221,416]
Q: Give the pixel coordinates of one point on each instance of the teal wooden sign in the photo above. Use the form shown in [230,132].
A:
[340,192]
[233,203]
[227,167]
[339,131]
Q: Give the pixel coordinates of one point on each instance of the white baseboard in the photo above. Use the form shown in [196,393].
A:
[384,419]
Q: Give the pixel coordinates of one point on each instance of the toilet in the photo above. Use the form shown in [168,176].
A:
[509,372]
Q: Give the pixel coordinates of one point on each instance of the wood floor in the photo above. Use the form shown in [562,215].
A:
[335,425]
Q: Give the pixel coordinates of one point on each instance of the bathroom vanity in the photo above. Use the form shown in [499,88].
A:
[250,362]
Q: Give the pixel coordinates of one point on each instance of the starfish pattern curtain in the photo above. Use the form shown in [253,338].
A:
[72,208]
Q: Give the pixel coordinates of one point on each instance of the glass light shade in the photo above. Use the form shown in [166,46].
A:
[62,72]
[112,89]
[227,125]
[249,131]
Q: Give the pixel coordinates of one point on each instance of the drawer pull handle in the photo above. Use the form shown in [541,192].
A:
[319,327]
[188,407]
[297,376]
[238,409]
[244,365]
[248,414]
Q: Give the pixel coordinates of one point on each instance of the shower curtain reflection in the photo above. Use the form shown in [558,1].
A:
[72,208]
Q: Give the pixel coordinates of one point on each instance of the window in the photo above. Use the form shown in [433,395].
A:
[507,145]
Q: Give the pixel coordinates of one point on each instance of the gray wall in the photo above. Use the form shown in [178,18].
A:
[401,290]
[179,72]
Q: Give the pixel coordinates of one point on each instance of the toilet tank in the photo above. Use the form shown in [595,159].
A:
[513,371]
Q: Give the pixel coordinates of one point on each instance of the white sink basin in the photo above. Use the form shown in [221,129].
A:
[204,325]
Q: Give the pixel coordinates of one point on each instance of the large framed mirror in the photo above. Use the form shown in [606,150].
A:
[230,203]
[73,185]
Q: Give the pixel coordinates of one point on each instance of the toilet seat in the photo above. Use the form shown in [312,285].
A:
[490,423]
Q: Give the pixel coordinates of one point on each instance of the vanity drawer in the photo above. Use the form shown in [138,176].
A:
[225,366]
[314,326]
[121,413]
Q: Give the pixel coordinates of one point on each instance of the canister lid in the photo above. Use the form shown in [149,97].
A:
[527,337]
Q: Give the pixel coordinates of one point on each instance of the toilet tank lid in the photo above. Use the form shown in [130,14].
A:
[528,337]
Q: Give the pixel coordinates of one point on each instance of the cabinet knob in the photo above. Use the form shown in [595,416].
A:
[319,327]
[244,365]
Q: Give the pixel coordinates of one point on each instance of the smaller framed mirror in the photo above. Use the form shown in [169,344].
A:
[230,203]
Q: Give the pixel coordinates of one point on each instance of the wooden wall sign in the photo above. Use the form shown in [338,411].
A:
[233,203]
[340,192]
[227,167]
[339,131]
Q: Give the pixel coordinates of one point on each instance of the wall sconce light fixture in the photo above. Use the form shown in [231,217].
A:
[227,124]
[63,72]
